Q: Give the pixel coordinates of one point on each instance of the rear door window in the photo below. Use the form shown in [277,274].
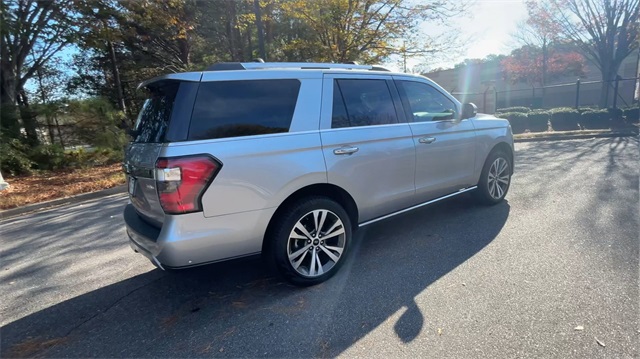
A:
[364,102]
[243,108]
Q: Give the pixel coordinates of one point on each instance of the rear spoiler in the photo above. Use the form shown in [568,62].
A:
[184,76]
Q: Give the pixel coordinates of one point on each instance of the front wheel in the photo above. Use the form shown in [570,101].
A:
[495,179]
[310,240]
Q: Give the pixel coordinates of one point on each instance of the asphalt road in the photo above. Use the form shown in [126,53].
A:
[454,280]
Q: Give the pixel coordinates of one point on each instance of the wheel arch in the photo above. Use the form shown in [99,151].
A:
[504,146]
[331,191]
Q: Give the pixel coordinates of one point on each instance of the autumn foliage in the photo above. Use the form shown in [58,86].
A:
[526,64]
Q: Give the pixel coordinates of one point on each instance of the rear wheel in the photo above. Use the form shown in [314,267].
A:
[495,179]
[310,240]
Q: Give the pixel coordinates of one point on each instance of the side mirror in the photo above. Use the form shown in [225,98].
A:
[469,110]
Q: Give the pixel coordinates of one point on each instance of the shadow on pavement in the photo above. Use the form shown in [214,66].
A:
[237,309]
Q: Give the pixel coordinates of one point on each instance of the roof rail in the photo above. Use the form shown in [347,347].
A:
[225,66]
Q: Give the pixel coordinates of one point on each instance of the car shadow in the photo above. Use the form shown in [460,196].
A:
[237,309]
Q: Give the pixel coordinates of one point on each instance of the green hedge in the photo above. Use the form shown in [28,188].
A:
[565,119]
[595,119]
[632,114]
[538,121]
[517,120]
[615,113]
[520,109]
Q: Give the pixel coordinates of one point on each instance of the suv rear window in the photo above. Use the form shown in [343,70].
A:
[243,108]
[155,114]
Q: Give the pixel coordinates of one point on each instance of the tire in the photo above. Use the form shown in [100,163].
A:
[489,191]
[296,248]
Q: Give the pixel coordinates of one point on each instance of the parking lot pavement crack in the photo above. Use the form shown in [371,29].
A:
[110,306]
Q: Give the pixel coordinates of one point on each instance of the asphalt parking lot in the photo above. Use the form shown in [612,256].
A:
[551,272]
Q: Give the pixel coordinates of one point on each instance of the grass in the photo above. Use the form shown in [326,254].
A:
[45,186]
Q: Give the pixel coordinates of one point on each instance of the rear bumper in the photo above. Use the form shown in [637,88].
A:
[143,237]
[191,239]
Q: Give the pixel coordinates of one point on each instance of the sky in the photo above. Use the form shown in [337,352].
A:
[489,30]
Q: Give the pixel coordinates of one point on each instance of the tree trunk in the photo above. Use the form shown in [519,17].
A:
[29,119]
[43,98]
[117,83]
[231,33]
[609,74]
[9,125]
[545,60]
[256,9]
[55,119]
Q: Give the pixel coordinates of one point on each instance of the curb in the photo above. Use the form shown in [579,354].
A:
[8,213]
[560,137]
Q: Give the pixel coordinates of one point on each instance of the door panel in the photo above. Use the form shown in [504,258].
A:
[374,163]
[379,176]
[445,155]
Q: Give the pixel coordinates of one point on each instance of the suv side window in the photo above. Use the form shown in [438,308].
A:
[425,102]
[362,102]
[243,108]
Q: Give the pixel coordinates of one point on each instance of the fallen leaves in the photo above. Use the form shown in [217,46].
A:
[32,346]
[47,186]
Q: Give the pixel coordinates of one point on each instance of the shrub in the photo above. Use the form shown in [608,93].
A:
[106,156]
[520,109]
[588,108]
[13,158]
[615,113]
[538,121]
[564,119]
[81,158]
[48,157]
[632,114]
[517,120]
[77,158]
[595,119]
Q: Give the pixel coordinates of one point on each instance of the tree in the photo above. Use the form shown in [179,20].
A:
[99,20]
[538,31]
[32,33]
[606,31]
[48,93]
[162,33]
[534,65]
[368,30]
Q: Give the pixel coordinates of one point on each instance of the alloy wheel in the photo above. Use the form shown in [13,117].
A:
[498,181]
[316,243]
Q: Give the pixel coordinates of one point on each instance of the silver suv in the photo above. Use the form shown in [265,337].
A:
[289,159]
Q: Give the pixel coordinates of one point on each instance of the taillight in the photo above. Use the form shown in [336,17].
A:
[181,182]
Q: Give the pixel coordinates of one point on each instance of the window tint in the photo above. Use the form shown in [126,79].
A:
[339,117]
[243,108]
[425,102]
[368,102]
[155,114]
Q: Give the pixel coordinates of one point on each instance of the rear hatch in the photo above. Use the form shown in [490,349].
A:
[164,118]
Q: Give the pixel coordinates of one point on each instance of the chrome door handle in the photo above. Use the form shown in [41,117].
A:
[427,140]
[345,150]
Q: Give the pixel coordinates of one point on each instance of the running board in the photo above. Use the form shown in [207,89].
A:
[417,206]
